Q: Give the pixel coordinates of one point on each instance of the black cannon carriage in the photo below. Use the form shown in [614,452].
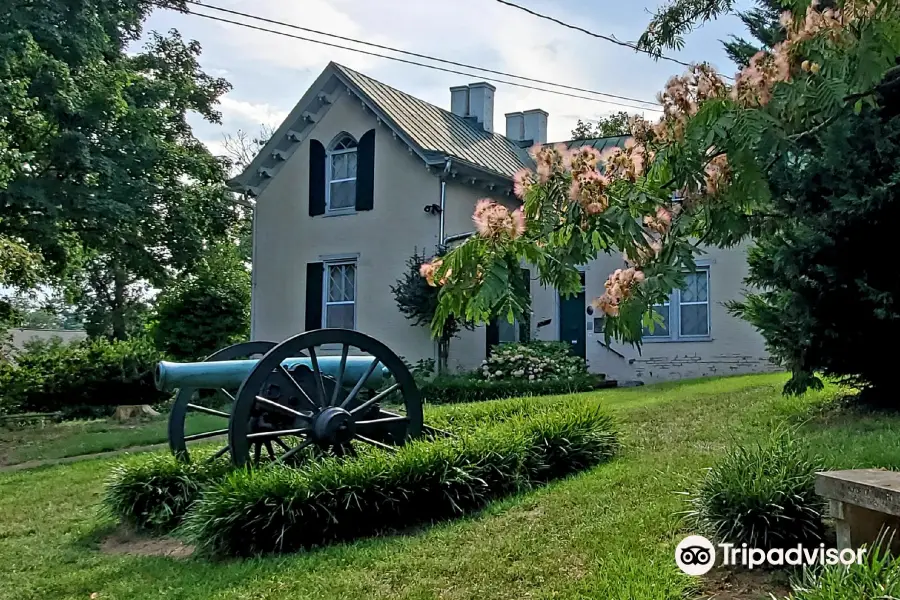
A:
[324,391]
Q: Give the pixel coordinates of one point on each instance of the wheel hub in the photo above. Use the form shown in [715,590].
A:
[333,425]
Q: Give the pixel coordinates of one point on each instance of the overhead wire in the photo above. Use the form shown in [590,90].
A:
[608,38]
[403,60]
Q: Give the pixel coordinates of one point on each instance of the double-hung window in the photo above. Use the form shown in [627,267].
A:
[340,176]
[685,315]
[340,295]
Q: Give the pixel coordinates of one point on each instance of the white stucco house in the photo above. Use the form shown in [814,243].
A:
[360,174]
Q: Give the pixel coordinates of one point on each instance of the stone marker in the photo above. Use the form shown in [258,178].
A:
[862,502]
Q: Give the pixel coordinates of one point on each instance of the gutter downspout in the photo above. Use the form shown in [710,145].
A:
[447,164]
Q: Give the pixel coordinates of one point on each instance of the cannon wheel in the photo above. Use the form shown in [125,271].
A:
[310,412]
[183,405]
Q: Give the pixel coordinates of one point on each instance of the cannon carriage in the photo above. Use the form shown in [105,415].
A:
[320,392]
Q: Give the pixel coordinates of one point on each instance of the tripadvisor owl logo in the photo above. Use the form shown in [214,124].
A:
[695,555]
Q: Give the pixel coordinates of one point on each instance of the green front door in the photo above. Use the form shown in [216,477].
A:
[572,323]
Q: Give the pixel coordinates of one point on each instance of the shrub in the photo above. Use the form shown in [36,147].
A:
[532,361]
[283,509]
[153,492]
[761,495]
[206,312]
[457,389]
[80,378]
[878,576]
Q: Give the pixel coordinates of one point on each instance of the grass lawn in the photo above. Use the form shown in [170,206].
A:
[74,438]
[608,533]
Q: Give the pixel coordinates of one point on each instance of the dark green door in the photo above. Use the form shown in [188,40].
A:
[572,323]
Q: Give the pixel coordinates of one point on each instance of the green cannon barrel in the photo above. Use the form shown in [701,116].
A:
[230,374]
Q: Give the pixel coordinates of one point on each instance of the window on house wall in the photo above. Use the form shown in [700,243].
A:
[340,295]
[686,314]
[340,174]
[507,332]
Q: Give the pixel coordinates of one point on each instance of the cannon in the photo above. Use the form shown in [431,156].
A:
[320,392]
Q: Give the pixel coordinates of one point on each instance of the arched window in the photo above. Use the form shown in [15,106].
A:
[340,175]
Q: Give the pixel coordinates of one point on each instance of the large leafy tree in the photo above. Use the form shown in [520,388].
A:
[609,126]
[712,151]
[206,311]
[106,181]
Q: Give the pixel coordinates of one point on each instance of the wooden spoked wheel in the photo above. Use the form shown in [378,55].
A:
[329,405]
[187,401]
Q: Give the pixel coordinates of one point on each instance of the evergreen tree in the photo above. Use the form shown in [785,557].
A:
[762,21]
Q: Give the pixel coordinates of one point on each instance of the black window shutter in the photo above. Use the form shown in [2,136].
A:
[315,275]
[525,322]
[492,336]
[316,178]
[365,171]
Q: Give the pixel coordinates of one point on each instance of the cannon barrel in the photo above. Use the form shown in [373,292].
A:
[230,374]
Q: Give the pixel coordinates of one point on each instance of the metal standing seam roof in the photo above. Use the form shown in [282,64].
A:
[600,144]
[440,131]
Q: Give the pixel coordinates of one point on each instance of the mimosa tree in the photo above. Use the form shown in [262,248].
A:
[698,177]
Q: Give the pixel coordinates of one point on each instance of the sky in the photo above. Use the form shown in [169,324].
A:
[270,73]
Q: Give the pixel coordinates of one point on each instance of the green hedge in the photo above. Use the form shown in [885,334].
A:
[79,378]
[284,509]
[457,389]
[153,492]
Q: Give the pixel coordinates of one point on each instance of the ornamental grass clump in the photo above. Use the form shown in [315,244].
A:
[762,495]
[153,492]
[877,576]
[283,509]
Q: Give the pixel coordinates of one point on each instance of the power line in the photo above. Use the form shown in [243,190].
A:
[607,38]
[409,62]
[417,54]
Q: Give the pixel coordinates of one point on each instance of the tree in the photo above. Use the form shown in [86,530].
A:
[714,150]
[206,311]
[241,147]
[417,299]
[763,23]
[111,187]
[240,150]
[827,270]
[609,126]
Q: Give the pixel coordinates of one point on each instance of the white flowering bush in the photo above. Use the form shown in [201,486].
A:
[532,361]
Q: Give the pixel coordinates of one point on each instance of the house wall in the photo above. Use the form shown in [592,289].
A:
[734,346]
[383,238]
[287,238]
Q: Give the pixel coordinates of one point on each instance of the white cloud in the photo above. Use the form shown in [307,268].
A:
[261,113]
[270,72]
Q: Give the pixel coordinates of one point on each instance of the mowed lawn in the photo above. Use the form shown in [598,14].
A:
[606,533]
[75,438]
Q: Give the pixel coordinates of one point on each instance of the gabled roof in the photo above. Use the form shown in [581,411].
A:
[431,132]
[439,132]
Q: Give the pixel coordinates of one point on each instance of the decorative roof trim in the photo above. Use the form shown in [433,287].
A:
[303,118]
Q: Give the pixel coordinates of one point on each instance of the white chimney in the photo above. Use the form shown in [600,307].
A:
[459,100]
[481,104]
[515,126]
[535,125]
